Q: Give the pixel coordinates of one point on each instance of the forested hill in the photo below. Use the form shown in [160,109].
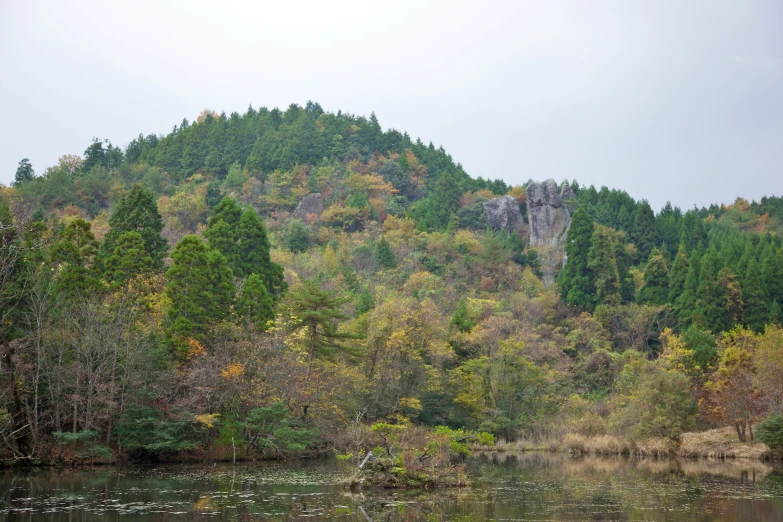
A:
[168,298]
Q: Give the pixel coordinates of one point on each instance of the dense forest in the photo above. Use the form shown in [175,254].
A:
[162,301]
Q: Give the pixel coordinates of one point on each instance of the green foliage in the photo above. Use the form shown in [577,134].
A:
[138,213]
[76,253]
[770,432]
[656,281]
[383,255]
[128,260]
[297,237]
[575,280]
[254,303]
[24,172]
[149,433]
[200,288]
[271,429]
[84,443]
[461,317]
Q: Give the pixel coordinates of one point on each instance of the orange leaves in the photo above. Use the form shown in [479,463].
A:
[233,371]
[195,349]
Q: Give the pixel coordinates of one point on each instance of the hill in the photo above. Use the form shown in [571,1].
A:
[179,296]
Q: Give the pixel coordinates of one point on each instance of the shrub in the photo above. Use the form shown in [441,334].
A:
[770,432]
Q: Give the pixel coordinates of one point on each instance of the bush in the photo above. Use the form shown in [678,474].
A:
[83,443]
[770,432]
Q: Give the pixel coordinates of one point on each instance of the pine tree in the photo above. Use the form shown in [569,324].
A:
[24,173]
[364,303]
[200,288]
[128,260]
[710,307]
[576,277]
[254,303]
[445,198]
[461,318]
[656,281]
[775,315]
[686,301]
[645,234]
[138,212]
[383,255]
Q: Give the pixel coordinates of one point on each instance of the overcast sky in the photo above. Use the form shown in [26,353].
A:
[679,101]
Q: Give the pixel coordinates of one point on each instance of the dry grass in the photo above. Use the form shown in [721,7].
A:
[720,443]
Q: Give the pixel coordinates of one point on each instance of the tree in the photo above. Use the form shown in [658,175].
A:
[393,173]
[383,255]
[754,310]
[731,396]
[254,303]
[128,260]
[138,212]
[576,277]
[242,239]
[603,264]
[770,432]
[24,173]
[76,253]
[645,234]
[297,237]
[656,281]
[678,274]
[318,312]
[200,288]
[658,403]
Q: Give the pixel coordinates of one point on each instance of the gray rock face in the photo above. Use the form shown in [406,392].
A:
[503,214]
[310,204]
[549,217]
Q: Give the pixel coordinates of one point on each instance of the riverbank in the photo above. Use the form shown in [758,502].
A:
[716,443]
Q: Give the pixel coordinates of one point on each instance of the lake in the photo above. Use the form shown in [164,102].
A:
[529,486]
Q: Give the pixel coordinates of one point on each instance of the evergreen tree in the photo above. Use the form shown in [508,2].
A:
[393,173]
[775,315]
[772,272]
[364,303]
[731,292]
[686,301]
[383,255]
[128,260]
[138,212]
[709,311]
[254,303]
[76,253]
[576,277]
[603,264]
[24,173]
[656,281]
[678,274]
[445,199]
[297,236]
[253,253]
[645,234]
[754,308]
[461,317]
[200,288]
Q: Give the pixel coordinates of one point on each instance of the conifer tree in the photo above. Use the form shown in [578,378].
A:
[710,311]
[138,212]
[383,255]
[772,272]
[445,198]
[686,301]
[645,234]
[200,288]
[461,318]
[603,264]
[754,308]
[656,281]
[364,303]
[76,253]
[678,274]
[576,277]
[254,303]
[24,173]
[128,260]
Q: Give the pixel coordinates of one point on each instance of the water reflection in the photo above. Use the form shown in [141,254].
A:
[531,486]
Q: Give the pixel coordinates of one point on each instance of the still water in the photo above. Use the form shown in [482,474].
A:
[507,487]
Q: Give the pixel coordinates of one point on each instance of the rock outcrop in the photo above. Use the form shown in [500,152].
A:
[503,214]
[310,204]
[549,218]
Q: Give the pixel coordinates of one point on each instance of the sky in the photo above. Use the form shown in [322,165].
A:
[667,100]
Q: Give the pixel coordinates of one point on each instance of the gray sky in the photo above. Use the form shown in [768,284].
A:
[679,101]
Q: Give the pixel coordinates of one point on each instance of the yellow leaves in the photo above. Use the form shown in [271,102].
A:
[232,371]
[207,420]
[195,349]
[372,183]
[410,403]
[675,356]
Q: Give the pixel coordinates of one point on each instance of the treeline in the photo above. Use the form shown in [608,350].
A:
[161,300]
